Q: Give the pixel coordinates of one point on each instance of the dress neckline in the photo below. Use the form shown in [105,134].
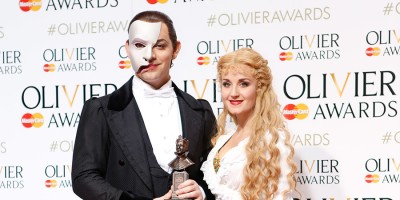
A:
[217,159]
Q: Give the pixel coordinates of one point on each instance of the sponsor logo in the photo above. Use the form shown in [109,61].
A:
[58,176]
[70,59]
[211,50]
[299,111]
[156,1]
[373,51]
[51,97]
[309,47]
[382,170]
[29,120]
[57,5]
[30,5]
[49,67]
[319,172]
[286,56]
[203,60]
[10,62]
[383,43]
[124,64]
[361,85]
[372,178]
[50,183]
[58,96]
[11,177]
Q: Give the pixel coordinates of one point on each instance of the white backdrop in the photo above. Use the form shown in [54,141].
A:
[335,64]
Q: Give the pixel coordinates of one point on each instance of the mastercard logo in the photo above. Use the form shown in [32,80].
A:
[156,1]
[203,60]
[124,64]
[373,51]
[286,56]
[27,5]
[372,178]
[49,67]
[299,111]
[32,120]
[50,183]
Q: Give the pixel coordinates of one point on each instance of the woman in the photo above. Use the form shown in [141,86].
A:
[255,160]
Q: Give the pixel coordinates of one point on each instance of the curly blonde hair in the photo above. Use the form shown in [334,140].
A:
[262,170]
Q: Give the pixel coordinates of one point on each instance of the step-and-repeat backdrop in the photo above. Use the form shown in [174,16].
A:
[336,66]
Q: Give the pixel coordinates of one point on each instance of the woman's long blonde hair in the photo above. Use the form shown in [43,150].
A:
[261,172]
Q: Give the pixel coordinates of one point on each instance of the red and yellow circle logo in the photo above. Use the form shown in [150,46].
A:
[203,60]
[156,1]
[50,183]
[27,5]
[124,64]
[286,56]
[299,111]
[29,120]
[373,51]
[49,67]
[372,178]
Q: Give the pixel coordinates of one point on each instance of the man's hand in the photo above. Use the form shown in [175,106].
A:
[189,190]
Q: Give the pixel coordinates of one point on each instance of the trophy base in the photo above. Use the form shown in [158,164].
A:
[178,177]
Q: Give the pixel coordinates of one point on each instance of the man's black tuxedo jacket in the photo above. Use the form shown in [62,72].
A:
[113,157]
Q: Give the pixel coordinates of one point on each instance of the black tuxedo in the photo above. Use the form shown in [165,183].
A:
[113,157]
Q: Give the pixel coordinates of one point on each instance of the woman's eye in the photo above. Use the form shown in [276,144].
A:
[226,84]
[244,84]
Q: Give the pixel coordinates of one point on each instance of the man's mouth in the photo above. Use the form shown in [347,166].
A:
[144,68]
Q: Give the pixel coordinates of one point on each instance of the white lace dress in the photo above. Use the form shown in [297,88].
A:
[226,183]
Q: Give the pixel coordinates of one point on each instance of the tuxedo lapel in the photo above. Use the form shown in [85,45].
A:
[126,120]
[189,118]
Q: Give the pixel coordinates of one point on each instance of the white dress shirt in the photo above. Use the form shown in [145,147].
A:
[160,112]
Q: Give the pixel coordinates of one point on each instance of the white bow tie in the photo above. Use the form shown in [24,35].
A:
[163,93]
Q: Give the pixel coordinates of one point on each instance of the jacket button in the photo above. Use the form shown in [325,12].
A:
[121,162]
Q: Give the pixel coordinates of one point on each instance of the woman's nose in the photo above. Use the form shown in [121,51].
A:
[234,91]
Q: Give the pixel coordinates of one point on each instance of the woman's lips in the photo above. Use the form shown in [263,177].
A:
[235,102]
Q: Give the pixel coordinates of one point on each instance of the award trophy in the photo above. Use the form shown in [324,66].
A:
[179,164]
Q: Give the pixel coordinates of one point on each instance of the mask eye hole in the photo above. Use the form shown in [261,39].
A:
[139,45]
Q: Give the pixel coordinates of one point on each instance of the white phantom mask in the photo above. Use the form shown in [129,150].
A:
[142,37]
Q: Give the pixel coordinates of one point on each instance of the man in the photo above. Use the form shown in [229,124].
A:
[125,140]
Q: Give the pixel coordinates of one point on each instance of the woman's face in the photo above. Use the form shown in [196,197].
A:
[239,92]
[151,52]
